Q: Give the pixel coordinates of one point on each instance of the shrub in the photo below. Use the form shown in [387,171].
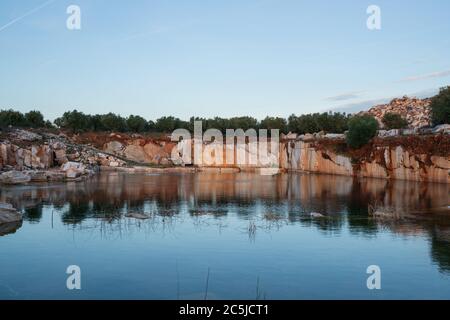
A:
[394,121]
[114,122]
[440,107]
[35,119]
[274,123]
[360,130]
[74,120]
[12,118]
[137,124]
[309,123]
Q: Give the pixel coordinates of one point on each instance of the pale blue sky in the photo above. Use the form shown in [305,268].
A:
[224,58]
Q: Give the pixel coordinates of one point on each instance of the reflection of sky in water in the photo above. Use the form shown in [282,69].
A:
[247,229]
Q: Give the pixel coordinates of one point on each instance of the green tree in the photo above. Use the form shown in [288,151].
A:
[73,120]
[95,123]
[169,124]
[243,123]
[440,107]
[274,123]
[114,122]
[137,124]
[12,118]
[311,123]
[360,130]
[394,121]
[35,119]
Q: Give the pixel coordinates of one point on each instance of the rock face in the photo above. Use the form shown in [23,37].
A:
[140,150]
[14,177]
[416,111]
[302,156]
[390,162]
[24,150]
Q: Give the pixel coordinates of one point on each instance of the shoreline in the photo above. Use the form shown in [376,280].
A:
[56,175]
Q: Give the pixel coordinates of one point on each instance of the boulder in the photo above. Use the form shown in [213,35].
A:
[113,164]
[443,128]
[316,215]
[14,177]
[114,147]
[73,169]
[334,136]
[136,215]
[38,176]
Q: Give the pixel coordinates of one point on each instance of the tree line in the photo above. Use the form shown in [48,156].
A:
[77,121]
[333,122]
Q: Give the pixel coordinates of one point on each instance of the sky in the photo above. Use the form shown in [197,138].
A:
[219,58]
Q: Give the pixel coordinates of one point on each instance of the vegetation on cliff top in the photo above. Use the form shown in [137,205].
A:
[440,107]
[394,121]
[77,121]
[32,119]
[360,130]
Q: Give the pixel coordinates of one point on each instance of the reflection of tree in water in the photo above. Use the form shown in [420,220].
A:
[268,202]
[440,247]
[440,253]
[33,214]
[77,212]
[357,211]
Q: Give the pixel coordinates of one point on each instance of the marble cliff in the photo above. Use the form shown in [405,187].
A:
[416,157]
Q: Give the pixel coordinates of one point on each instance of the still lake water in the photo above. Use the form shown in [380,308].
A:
[253,233]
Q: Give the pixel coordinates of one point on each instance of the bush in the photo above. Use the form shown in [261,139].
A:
[137,124]
[35,119]
[114,122]
[311,123]
[394,121]
[360,130]
[270,123]
[440,107]
[12,118]
[74,120]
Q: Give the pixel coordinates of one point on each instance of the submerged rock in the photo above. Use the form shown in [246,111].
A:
[14,177]
[136,215]
[316,215]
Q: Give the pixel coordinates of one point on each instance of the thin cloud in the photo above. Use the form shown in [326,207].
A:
[344,96]
[359,106]
[356,107]
[43,5]
[439,74]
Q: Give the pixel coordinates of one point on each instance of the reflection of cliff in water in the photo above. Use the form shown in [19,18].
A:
[8,228]
[343,200]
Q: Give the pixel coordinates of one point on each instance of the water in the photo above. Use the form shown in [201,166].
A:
[253,233]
